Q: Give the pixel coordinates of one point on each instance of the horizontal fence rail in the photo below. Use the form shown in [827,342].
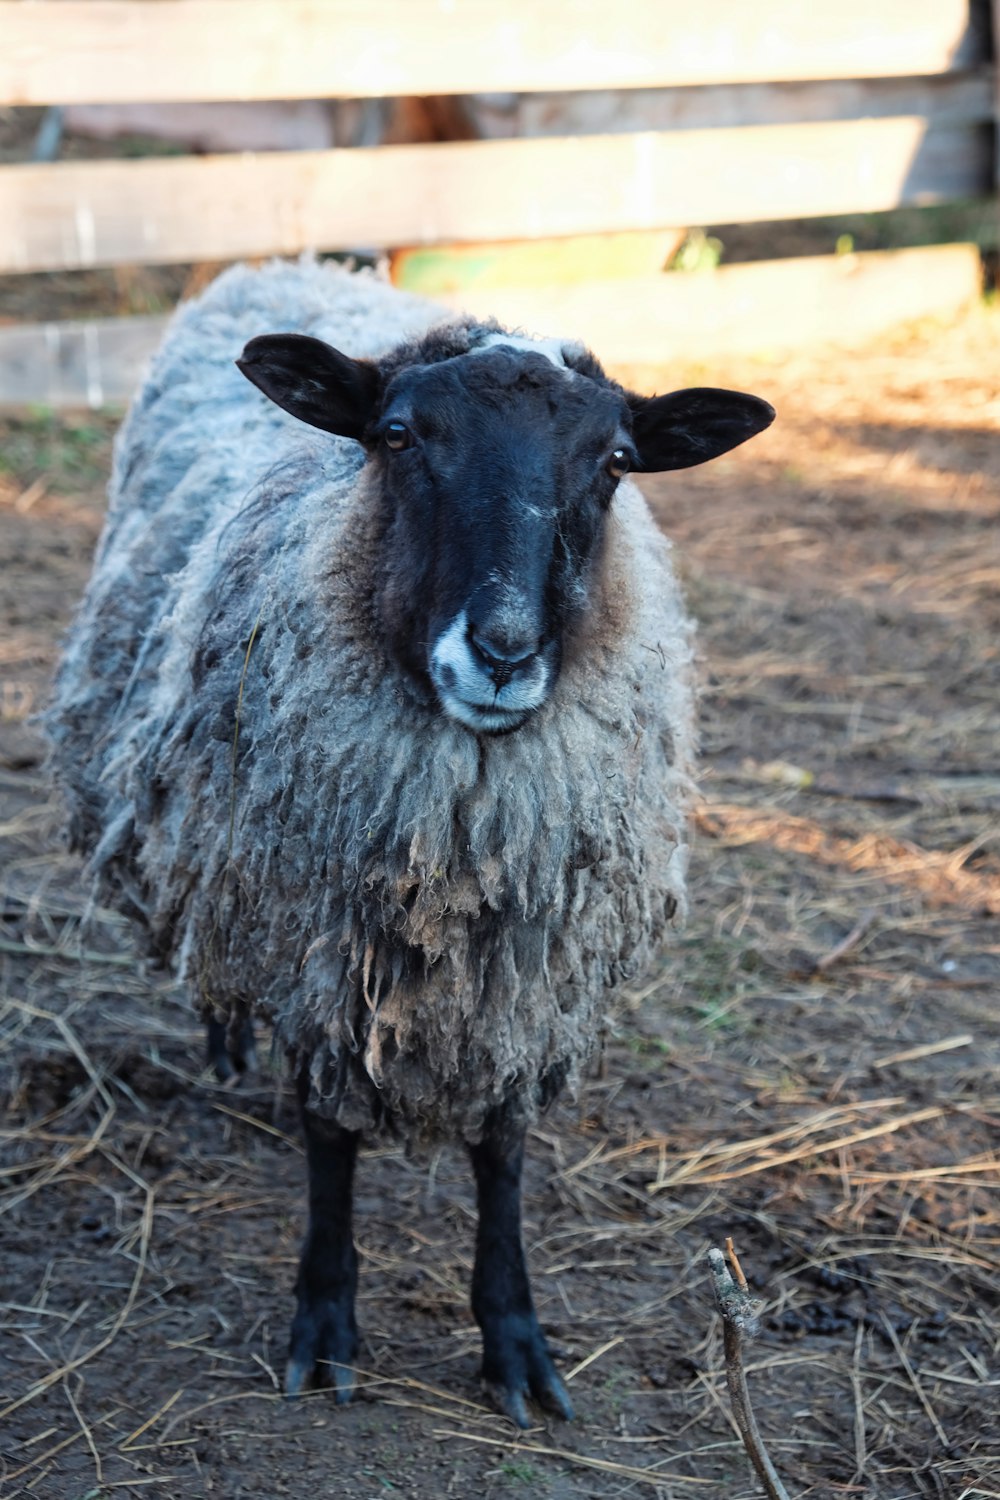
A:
[82,214]
[95,51]
[942,99]
[645,320]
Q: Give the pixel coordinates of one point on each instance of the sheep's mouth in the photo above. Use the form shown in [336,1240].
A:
[483,718]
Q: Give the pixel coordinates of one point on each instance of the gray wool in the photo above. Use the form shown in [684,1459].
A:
[432,919]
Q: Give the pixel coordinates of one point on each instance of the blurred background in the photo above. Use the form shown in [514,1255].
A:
[796,199]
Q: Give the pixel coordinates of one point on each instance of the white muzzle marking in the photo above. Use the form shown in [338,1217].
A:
[467,691]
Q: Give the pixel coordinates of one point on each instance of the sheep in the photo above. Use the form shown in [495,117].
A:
[377,719]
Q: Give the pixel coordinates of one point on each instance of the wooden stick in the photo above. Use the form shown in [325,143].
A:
[847,944]
[739,1324]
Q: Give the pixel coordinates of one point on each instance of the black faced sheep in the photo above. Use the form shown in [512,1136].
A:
[384,733]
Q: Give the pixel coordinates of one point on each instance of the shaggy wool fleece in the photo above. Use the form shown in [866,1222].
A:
[432,919]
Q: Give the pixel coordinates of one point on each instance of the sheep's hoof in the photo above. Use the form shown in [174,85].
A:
[517,1364]
[322,1348]
[229,1061]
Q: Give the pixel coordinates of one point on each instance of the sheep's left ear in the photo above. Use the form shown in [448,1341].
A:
[313,381]
[690,427]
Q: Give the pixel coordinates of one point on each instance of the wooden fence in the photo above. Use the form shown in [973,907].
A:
[841,106]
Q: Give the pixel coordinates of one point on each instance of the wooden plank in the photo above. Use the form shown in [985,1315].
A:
[755,308]
[80,214]
[316,124]
[650,320]
[93,363]
[946,99]
[97,51]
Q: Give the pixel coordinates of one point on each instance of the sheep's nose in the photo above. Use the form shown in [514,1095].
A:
[502,656]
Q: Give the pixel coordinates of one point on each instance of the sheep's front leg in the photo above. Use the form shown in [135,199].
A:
[516,1358]
[324,1338]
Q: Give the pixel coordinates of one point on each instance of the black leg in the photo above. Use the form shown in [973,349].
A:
[231,1056]
[516,1359]
[324,1337]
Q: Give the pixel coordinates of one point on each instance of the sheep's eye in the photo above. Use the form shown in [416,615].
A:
[618,464]
[397,437]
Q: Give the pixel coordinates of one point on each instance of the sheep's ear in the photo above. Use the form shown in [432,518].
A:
[313,381]
[690,427]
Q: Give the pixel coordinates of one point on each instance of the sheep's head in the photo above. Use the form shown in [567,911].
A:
[497,459]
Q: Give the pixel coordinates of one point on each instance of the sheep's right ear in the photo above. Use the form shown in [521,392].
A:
[691,426]
[313,381]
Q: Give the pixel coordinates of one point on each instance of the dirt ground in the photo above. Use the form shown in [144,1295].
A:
[815,1070]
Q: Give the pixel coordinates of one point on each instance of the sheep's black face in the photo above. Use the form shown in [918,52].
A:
[497,468]
[497,472]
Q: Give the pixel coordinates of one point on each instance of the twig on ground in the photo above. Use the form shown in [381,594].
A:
[98,1469]
[847,944]
[739,1323]
[516,1445]
[860,1447]
[915,1382]
[928,1049]
[127,1442]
